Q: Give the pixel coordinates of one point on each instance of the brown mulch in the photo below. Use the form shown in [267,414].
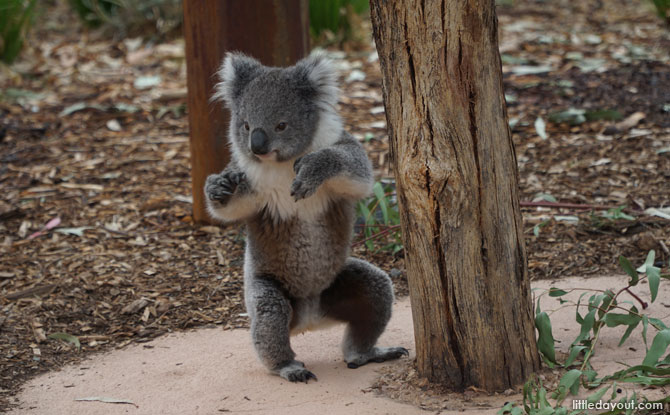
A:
[80,142]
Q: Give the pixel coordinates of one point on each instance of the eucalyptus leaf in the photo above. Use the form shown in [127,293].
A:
[618,319]
[545,341]
[575,350]
[556,292]
[658,347]
[649,261]
[571,116]
[66,337]
[628,267]
[595,397]
[567,383]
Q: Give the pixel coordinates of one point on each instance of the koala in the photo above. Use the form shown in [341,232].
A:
[293,179]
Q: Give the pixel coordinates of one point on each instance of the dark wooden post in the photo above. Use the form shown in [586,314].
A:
[274,32]
[457,182]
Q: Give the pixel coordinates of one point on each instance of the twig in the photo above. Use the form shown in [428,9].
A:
[642,302]
[377,235]
[664,247]
[558,205]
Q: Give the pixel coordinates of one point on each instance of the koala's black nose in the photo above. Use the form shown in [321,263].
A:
[260,144]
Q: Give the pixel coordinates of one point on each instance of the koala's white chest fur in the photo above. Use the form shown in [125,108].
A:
[272,183]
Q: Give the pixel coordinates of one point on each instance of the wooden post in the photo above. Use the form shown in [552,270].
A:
[457,181]
[274,32]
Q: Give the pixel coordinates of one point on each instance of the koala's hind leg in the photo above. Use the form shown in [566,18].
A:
[362,295]
[270,312]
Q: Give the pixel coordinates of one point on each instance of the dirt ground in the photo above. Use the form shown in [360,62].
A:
[207,371]
[94,147]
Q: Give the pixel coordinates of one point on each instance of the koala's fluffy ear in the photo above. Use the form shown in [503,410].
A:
[316,75]
[235,74]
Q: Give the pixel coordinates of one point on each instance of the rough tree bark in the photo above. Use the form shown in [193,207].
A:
[275,32]
[457,180]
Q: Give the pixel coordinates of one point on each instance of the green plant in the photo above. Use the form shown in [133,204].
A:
[15,18]
[380,218]
[607,218]
[603,309]
[130,17]
[332,18]
[663,9]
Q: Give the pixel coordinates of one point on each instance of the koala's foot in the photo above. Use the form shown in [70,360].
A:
[377,355]
[295,372]
[220,187]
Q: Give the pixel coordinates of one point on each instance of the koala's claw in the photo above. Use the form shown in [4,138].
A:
[296,372]
[220,187]
[377,355]
[301,190]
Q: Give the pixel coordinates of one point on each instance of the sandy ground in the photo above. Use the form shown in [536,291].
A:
[210,371]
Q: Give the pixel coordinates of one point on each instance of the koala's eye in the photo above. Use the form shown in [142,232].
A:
[281,126]
[246,126]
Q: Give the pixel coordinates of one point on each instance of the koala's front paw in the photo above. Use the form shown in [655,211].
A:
[310,172]
[220,187]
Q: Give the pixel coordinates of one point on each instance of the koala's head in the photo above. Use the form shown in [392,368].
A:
[279,114]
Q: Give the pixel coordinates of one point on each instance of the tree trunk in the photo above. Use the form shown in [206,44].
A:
[457,182]
[274,32]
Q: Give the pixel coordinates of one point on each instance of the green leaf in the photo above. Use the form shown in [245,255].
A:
[654,277]
[595,397]
[617,319]
[578,317]
[536,228]
[567,384]
[587,326]
[630,328]
[383,203]
[555,292]
[66,337]
[545,340]
[575,350]
[608,115]
[658,347]
[628,267]
[657,323]
[571,116]
[651,256]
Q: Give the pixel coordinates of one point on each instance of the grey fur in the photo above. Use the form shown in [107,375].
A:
[297,201]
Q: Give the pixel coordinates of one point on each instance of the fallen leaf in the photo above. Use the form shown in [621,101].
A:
[114,125]
[135,306]
[355,76]
[93,187]
[74,231]
[145,82]
[530,70]
[541,128]
[660,212]
[630,121]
